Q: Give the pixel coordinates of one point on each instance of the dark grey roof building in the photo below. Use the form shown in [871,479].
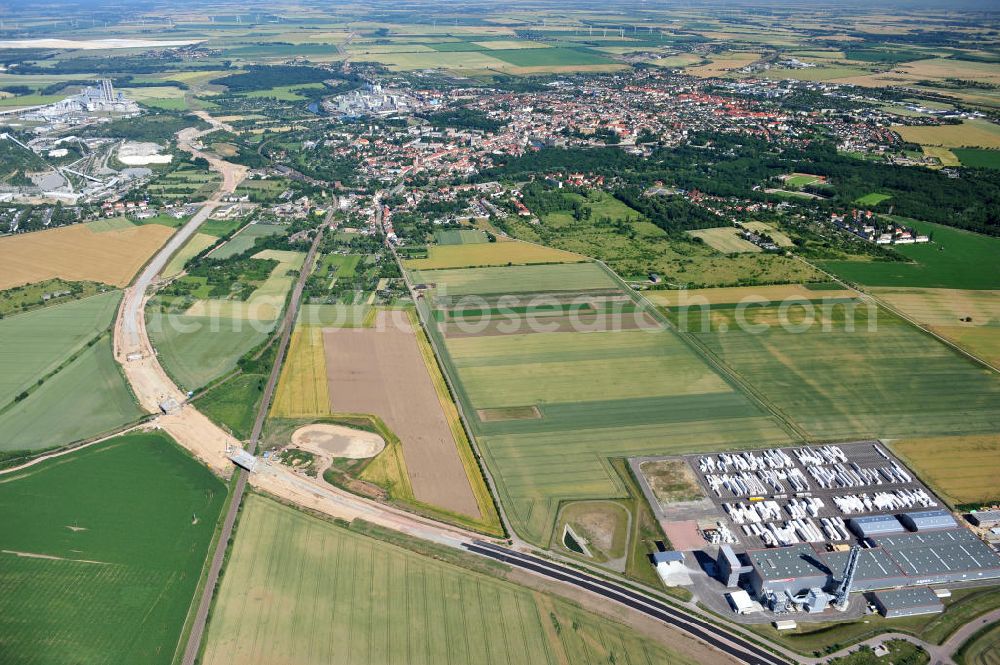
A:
[907,602]
[875,525]
[898,560]
[928,520]
[985,518]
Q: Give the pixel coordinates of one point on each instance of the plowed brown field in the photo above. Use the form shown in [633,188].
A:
[380,371]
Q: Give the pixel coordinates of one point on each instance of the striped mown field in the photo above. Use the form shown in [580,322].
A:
[301,590]
[883,379]
[550,409]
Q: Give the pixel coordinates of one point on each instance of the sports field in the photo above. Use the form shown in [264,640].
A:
[108,575]
[78,253]
[550,408]
[301,590]
[962,469]
[489,254]
[195,350]
[883,379]
[970,319]
[302,389]
[954,259]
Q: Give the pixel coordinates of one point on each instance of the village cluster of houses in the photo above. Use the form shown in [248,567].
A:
[865,225]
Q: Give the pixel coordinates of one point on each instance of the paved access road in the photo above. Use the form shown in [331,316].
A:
[737,647]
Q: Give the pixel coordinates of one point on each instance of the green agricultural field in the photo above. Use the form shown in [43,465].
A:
[548,57]
[53,361]
[570,401]
[36,343]
[323,594]
[954,259]
[246,238]
[220,227]
[872,200]
[89,395]
[234,403]
[102,551]
[516,279]
[459,237]
[196,350]
[978,158]
[884,379]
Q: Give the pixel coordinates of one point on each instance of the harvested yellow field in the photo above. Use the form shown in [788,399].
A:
[944,68]
[944,311]
[490,254]
[302,389]
[736,294]
[963,469]
[971,134]
[78,253]
[943,155]
[723,64]
[726,240]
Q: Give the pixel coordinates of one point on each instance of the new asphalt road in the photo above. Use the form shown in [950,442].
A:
[737,647]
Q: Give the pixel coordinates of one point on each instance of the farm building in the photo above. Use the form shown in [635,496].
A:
[907,602]
[987,519]
[898,560]
[875,525]
[928,520]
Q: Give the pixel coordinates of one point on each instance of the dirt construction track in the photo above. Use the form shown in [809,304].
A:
[380,371]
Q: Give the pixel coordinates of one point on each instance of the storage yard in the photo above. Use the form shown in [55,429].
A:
[784,496]
[801,527]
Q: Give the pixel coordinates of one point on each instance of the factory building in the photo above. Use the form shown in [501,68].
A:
[875,525]
[898,560]
[986,519]
[730,567]
[928,520]
[907,602]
